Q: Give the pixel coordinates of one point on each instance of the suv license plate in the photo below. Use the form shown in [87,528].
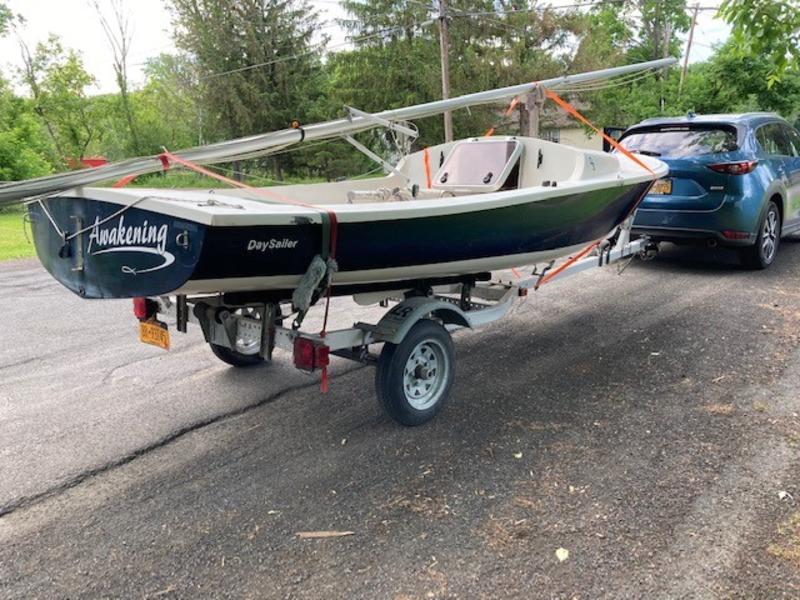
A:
[662,186]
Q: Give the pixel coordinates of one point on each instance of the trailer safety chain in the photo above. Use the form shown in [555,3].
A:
[622,266]
[572,260]
[537,272]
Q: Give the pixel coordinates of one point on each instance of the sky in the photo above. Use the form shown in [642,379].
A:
[76,23]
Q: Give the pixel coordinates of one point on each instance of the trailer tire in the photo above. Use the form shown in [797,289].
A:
[236,359]
[414,377]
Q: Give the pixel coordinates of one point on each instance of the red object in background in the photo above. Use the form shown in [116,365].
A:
[86,161]
[94,161]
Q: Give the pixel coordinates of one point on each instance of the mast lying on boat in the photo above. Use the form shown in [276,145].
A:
[262,144]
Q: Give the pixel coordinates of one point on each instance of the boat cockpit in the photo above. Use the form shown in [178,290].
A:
[466,167]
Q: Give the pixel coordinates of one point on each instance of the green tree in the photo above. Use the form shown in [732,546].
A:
[58,81]
[168,108]
[710,88]
[6,18]
[257,62]
[768,28]
[714,89]
[119,35]
[23,146]
[396,57]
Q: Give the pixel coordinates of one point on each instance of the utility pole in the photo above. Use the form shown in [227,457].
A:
[667,38]
[688,49]
[444,49]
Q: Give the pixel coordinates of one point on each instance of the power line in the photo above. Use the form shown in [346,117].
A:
[314,50]
[457,13]
[536,9]
[453,13]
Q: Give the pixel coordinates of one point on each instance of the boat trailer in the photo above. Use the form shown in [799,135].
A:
[415,367]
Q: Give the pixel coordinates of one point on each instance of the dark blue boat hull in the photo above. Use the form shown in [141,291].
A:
[143,253]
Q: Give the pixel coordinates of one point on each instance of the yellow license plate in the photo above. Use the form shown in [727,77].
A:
[154,333]
[662,186]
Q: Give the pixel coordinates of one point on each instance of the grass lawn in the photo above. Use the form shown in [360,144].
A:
[13,243]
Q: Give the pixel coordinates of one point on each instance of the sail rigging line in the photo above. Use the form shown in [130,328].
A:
[280,183]
[65,236]
[600,85]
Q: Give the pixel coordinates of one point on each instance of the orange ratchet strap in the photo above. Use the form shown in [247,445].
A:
[509,110]
[614,143]
[426,159]
[572,111]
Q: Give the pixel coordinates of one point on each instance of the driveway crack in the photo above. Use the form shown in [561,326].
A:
[75,480]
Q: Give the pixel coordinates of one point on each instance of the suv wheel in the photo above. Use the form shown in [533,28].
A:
[762,254]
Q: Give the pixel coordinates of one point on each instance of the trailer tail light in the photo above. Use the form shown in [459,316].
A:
[735,235]
[309,356]
[144,308]
[734,168]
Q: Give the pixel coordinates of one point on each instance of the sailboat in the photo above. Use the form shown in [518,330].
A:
[442,214]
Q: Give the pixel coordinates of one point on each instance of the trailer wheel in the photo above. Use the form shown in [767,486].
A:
[414,377]
[236,359]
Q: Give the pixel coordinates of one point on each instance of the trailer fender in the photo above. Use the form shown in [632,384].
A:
[396,323]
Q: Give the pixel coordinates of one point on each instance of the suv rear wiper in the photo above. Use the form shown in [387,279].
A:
[648,152]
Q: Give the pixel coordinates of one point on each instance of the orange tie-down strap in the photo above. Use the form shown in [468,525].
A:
[572,111]
[426,160]
[506,114]
[614,143]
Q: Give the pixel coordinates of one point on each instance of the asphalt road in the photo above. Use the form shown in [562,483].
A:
[646,423]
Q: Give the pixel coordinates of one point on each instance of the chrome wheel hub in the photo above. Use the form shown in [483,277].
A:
[425,374]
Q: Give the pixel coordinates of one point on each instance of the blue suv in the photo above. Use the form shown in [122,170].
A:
[733,180]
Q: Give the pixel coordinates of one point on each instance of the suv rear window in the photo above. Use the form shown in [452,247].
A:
[681,141]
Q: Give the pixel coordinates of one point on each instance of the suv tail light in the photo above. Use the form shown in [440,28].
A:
[734,168]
